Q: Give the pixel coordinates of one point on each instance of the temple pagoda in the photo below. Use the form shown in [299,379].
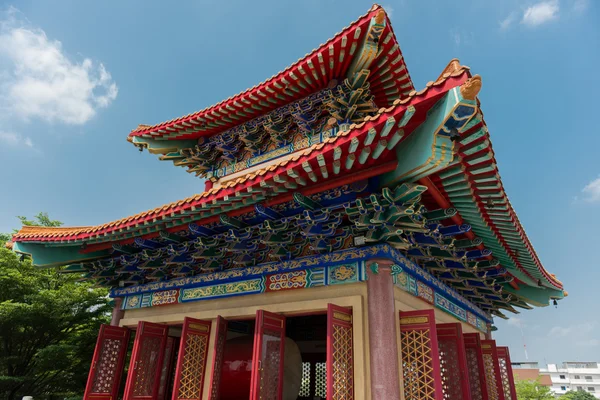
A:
[354,241]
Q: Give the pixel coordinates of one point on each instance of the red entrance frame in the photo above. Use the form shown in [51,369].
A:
[149,338]
[193,353]
[477,380]
[273,326]
[452,353]
[111,348]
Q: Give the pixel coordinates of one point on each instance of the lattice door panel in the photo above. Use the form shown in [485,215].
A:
[267,359]
[492,370]
[506,374]
[217,366]
[420,356]
[453,362]
[475,365]
[340,353]
[107,364]
[191,362]
[143,378]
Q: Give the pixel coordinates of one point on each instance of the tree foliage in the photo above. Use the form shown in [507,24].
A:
[578,395]
[532,390]
[48,327]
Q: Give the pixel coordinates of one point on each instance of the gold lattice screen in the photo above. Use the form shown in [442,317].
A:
[420,356]
[191,362]
[340,356]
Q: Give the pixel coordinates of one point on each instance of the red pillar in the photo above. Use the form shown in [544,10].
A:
[117,313]
[382,331]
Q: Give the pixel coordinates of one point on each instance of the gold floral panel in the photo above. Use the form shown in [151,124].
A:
[420,356]
[340,359]
[191,363]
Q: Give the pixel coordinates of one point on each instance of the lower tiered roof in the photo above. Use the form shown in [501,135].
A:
[419,175]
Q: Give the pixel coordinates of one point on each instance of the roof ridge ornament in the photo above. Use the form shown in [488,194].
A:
[470,89]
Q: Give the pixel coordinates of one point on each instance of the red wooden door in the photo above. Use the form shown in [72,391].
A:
[107,364]
[476,366]
[217,366]
[455,376]
[492,370]
[143,378]
[506,374]
[267,358]
[420,356]
[340,353]
[191,362]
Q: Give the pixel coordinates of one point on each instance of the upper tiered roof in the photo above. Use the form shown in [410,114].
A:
[288,108]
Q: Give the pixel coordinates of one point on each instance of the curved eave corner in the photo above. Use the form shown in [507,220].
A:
[472,184]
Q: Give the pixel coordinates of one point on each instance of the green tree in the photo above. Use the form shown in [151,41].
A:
[578,395]
[48,327]
[532,390]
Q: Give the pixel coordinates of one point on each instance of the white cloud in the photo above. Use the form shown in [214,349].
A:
[461,37]
[576,332]
[540,13]
[508,21]
[580,5]
[39,80]
[513,321]
[588,343]
[591,191]
[14,139]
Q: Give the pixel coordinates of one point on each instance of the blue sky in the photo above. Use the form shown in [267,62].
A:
[77,76]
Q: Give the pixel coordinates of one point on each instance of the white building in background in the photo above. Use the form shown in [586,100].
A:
[574,376]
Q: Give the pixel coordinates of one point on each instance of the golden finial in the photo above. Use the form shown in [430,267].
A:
[565,293]
[471,88]
[380,17]
[9,245]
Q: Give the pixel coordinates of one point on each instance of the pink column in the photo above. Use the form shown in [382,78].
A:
[117,313]
[385,383]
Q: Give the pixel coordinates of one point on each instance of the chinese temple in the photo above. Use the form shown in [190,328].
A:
[354,241]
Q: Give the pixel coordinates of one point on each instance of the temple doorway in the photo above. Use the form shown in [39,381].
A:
[304,360]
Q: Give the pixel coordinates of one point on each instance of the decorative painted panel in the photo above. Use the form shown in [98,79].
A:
[506,374]
[453,360]
[476,366]
[267,360]
[340,353]
[165,297]
[492,370]
[286,281]
[191,362]
[218,350]
[143,377]
[343,273]
[420,356]
[107,364]
[425,292]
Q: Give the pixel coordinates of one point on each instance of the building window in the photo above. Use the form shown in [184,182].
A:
[588,378]
[591,389]
[563,388]
[579,388]
[577,377]
[562,377]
